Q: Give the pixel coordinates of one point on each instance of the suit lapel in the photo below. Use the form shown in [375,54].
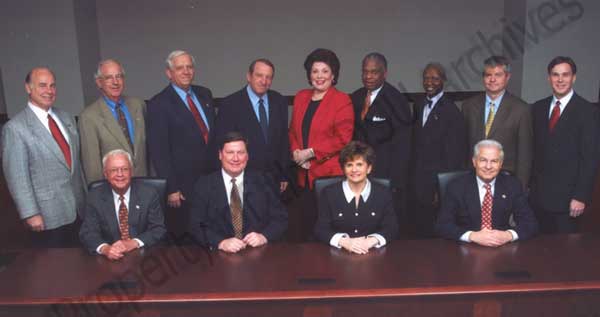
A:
[473,201]
[499,202]
[137,116]
[249,109]
[37,128]
[480,116]
[273,108]
[110,213]
[181,110]
[206,107]
[134,210]
[222,204]
[111,125]
[564,116]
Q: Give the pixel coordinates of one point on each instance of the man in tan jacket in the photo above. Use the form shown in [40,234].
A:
[112,122]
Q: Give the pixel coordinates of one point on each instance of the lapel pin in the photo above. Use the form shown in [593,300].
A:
[137,206]
[503,196]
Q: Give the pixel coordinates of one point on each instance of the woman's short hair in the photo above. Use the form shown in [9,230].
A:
[357,149]
[326,56]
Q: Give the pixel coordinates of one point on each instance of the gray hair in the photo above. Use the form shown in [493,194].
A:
[98,73]
[437,67]
[115,153]
[175,54]
[497,61]
[377,57]
[488,143]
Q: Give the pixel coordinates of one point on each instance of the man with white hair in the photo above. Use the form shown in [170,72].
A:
[121,216]
[180,121]
[477,206]
[113,121]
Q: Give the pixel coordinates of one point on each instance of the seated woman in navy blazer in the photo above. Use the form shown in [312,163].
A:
[356,214]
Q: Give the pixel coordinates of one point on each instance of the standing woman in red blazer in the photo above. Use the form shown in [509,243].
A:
[322,124]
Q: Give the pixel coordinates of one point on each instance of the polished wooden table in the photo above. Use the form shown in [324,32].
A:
[547,276]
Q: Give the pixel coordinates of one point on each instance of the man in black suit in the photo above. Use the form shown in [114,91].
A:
[235,208]
[261,115]
[566,151]
[440,145]
[178,129]
[383,120]
[477,207]
[121,216]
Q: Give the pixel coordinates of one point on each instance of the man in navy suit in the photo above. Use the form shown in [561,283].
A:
[261,115]
[235,208]
[439,145]
[383,120]
[179,124]
[477,207]
[565,130]
[121,216]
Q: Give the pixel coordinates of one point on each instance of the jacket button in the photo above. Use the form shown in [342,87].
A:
[356,214]
[372,214]
[355,230]
[340,214]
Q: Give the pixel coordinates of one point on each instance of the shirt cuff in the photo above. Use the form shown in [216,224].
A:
[514,234]
[379,238]
[465,236]
[335,240]
[100,247]
[140,242]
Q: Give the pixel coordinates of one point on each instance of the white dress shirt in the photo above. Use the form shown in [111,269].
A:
[427,109]
[239,181]
[563,103]
[42,115]
[349,195]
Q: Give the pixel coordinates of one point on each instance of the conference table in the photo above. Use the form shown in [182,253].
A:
[547,276]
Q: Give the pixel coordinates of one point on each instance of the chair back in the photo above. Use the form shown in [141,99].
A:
[160,184]
[445,178]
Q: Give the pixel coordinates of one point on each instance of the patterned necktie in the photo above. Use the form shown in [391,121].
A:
[60,140]
[486,208]
[262,117]
[490,119]
[554,116]
[235,205]
[366,105]
[123,219]
[198,118]
[123,124]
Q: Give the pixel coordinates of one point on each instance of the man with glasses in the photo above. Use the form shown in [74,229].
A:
[121,216]
[114,121]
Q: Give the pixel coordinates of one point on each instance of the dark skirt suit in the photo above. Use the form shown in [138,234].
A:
[374,216]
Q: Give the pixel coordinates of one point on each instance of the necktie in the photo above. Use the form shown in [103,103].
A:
[262,117]
[486,208]
[235,205]
[554,116]
[60,140]
[197,117]
[123,219]
[123,124]
[490,120]
[366,106]
[426,111]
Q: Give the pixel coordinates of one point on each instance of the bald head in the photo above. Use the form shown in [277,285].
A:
[41,87]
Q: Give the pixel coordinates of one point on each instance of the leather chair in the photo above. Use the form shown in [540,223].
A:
[160,184]
[445,178]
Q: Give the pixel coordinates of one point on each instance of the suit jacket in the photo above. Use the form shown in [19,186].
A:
[336,215]
[210,219]
[512,127]
[145,217]
[237,114]
[36,172]
[176,147]
[330,130]
[461,209]
[100,133]
[439,146]
[566,160]
[387,128]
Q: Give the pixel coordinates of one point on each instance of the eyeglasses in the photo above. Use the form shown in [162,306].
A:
[122,170]
[119,76]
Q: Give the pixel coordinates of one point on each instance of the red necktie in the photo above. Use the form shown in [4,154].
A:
[486,208]
[197,117]
[554,116]
[60,140]
[123,219]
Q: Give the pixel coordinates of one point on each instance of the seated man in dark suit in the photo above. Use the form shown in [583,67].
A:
[121,216]
[234,208]
[477,208]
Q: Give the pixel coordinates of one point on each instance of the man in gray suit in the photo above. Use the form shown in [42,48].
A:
[501,116]
[40,158]
[121,216]
[112,122]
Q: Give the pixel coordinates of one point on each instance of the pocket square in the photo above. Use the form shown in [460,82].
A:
[378,119]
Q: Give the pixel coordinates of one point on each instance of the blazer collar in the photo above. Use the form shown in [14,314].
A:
[46,138]
[111,125]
